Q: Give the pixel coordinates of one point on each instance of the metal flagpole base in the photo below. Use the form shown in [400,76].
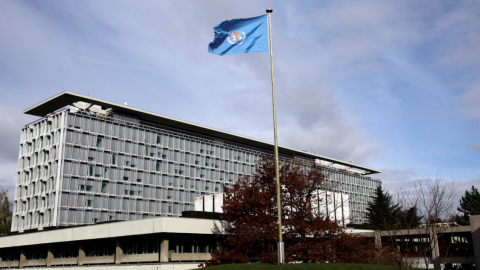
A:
[281,253]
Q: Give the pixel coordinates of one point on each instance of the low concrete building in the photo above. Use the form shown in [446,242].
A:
[160,242]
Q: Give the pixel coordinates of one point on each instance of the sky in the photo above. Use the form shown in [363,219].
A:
[390,85]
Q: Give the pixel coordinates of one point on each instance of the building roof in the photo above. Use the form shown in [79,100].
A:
[115,229]
[67,98]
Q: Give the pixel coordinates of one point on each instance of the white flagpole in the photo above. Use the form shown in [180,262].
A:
[280,246]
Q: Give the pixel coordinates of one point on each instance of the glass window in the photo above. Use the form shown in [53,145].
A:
[169,198]
[132,193]
[169,209]
[94,220]
[88,203]
[139,180]
[207,188]
[147,150]
[89,188]
[127,163]
[99,142]
[91,170]
[91,159]
[207,161]
[105,175]
[110,218]
[216,189]
[144,216]
[158,166]
[81,187]
[104,187]
[247,158]
[164,156]
[125,178]
[139,193]
[126,191]
[114,159]
[159,140]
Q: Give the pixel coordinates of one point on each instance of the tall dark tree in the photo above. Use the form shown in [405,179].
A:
[250,208]
[382,212]
[469,205]
[5,213]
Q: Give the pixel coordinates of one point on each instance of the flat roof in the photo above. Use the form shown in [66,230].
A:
[68,98]
[115,229]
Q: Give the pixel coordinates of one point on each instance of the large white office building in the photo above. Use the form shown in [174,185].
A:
[87,160]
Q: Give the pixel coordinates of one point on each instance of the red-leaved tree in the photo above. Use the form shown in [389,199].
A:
[250,215]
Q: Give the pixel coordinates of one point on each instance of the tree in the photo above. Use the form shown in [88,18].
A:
[250,213]
[382,211]
[469,205]
[5,213]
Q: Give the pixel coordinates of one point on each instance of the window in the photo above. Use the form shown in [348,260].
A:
[211,153]
[91,170]
[216,189]
[226,177]
[126,191]
[201,151]
[114,159]
[110,218]
[192,187]
[152,154]
[144,216]
[169,198]
[89,188]
[146,150]
[255,159]
[81,187]
[139,180]
[99,142]
[207,161]
[139,193]
[247,158]
[127,163]
[94,220]
[158,166]
[170,184]
[180,172]
[207,188]
[198,173]
[132,193]
[169,209]
[159,140]
[125,178]
[91,158]
[164,156]
[104,187]
[196,162]
[105,174]
[88,203]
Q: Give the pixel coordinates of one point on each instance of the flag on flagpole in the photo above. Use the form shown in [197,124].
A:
[240,36]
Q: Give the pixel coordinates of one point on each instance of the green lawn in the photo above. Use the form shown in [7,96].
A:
[302,266]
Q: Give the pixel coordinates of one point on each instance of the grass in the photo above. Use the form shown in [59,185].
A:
[303,266]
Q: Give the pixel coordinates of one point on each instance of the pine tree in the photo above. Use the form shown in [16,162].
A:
[469,205]
[381,211]
[5,213]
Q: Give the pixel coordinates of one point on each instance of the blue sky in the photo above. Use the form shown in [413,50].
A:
[391,85]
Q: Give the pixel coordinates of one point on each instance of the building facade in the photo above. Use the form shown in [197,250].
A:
[88,160]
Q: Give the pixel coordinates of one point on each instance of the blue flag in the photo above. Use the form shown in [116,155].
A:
[240,36]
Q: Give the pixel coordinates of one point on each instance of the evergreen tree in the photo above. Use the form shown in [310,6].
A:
[469,205]
[382,213]
[5,213]
[409,218]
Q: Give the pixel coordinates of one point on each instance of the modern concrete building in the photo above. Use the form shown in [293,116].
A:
[87,160]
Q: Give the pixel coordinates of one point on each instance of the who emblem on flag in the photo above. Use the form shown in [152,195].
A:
[240,36]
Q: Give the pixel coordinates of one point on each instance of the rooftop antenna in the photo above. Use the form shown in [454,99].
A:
[125,102]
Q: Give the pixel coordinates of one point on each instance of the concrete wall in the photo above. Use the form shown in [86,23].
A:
[183,257]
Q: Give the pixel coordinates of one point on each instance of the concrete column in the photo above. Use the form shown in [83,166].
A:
[435,249]
[49,256]
[81,255]
[118,252]
[378,239]
[22,257]
[218,246]
[164,249]
[475,229]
